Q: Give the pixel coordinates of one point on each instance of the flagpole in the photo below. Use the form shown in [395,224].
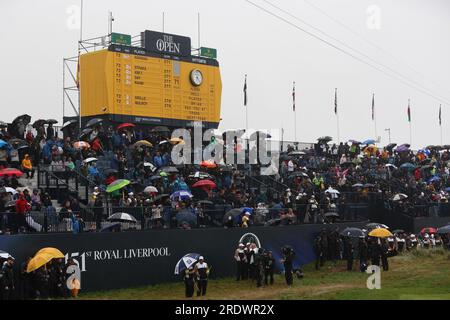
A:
[295,114]
[337,116]
[410,122]
[375,117]
[440,121]
[246,104]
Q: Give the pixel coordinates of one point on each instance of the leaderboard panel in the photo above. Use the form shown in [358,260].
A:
[147,87]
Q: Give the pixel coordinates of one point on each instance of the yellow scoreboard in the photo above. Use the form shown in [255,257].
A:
[128,84]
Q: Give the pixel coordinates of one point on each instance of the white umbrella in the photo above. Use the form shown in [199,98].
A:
[150,189]
[5,255]
[399,196]
[89,160]
[332,191]
[122,217]
[11,190]
[150,165]
[390,166]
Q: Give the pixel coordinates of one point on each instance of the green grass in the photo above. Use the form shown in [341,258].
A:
[422,274]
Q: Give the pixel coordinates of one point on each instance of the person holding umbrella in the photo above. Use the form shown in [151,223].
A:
[189,282]
[7,283]
[202,273]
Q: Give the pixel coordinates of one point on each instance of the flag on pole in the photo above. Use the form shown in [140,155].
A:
[373,107]
[440,115]
[245,91]
[293,97]
[409,111]
[335,102]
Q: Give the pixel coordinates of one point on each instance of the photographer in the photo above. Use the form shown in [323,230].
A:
[269,268]
[288,259]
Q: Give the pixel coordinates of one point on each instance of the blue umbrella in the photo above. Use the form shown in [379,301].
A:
[447,189]
[182,194]
[186,262]
[369,141]
[247,210]
[3,143]
[408,166]
[425,152]
[434,179]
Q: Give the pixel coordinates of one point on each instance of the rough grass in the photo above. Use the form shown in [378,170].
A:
[421,274]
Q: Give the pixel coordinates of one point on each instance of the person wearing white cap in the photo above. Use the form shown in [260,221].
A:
[241,260]
[202,272]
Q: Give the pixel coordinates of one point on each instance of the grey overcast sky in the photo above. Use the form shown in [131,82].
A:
[36,35]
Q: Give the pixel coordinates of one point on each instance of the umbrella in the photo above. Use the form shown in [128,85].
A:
[25,119]
[85,132]
[110,227]
[57,254]
[353,233]
[108,172]
[175,141]
[397,231]
[186,216]
[186,262]
[126,126]
[122,217]
[434,179]
[10,172]
[39,260]
[234,214]
[150,166]
[206,202]
[161,129]
[163,142]
[3,124]
[89,160]
[390,166]
[428,230]
[447,189]
[298,174]
[200,175]
[374,225]
[399,196]
[325,139]
[358,185]
[117,185]
[160,197]
[5,255]
[52,121]
[150,189]
[39,123]
[10,190]
[402,148]
[444,230]
[81,145]
[143,143]
[169,170]
[17,141]
[296,153]
[369,141]
[93,122]
[407,166]
[205,184]
[3,143]
[332,215]
[332,191]
[208,164]
[163,174]
[68,123]
[153,178]
[182,194]
[247,210]
[354,142]
[380,233]
[369,185]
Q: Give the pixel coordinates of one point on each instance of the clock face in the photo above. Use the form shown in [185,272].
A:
[196,77]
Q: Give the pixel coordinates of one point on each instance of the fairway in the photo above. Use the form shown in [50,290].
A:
[421,274]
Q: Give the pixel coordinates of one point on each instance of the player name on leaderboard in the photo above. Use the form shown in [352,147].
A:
[151,87]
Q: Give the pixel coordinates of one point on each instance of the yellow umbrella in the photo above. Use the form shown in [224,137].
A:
[175,141]
[144,143]
[380,233]
[43,257]
[55,253]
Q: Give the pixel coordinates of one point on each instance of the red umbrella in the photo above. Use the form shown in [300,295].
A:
[10,172]
[208,164]
[428,230]
[205,184]
[126,125]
